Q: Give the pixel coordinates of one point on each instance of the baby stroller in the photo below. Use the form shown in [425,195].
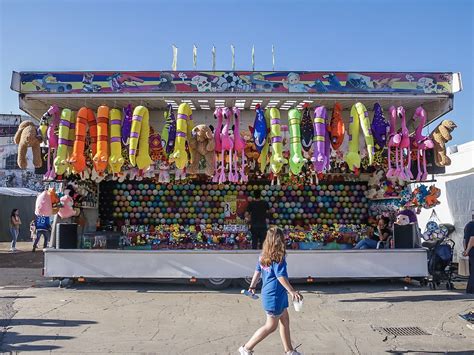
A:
[440,258]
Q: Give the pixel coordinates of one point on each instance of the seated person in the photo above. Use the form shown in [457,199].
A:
[381,234]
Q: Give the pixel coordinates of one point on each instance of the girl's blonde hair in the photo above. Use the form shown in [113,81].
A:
[273,247]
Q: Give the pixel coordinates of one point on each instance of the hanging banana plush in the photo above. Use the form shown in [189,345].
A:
[296,157]
[276,160]
[352,157]
[72,135]
[139,139]
[60,162]
[179,155]
[116,160]
[101,158]
[320,157]
[366,130]
[85,117]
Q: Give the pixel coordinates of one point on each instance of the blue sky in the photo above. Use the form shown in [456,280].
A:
[364,35]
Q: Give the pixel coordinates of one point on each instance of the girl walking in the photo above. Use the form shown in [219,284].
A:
[275,289]
[15,223]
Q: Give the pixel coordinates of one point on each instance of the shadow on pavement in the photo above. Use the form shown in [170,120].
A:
[50,322]
[16,297]
[414,298]
[462,352]
[17,342]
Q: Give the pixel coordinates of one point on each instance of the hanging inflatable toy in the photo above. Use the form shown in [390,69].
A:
[394,140]
[276,160]
[367,132]
[60,162]
[70,142]
[139,139]
[179,155]
[260,129]
[85,118]
[379,126]
[47,129]
[320,158]
[336,129]
[217,143]
[307,129]
[421,143]
[101,158]
[157,153]
[168,134]
[296,156]
[127,124]
[116,160]
[263,158]
[404,172]
[227,146]
[239,146]
[352,158]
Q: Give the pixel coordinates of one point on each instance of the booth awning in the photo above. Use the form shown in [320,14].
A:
[17,192]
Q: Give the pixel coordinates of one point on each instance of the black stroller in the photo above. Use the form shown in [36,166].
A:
[440,259]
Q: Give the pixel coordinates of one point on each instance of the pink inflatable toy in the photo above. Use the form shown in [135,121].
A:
[51,119]
[227,145]
[218,142]
[239,146]
[393,142]
[405,168]
[421,143]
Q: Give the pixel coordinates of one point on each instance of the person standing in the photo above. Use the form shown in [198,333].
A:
[43,228]
[257,215]
[15,223]
[469,251]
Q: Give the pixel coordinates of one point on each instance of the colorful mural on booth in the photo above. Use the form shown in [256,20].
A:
[231,81]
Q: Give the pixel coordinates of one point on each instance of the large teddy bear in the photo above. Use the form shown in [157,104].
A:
[202,145]
[440,136]
[27,136]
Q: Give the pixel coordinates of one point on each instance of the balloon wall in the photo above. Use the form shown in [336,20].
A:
[148,203]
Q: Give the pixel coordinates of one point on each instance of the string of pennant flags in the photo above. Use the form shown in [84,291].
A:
[174,64]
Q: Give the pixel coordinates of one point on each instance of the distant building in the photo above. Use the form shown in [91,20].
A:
[10,174]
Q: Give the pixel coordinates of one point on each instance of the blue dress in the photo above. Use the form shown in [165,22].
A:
[274,295]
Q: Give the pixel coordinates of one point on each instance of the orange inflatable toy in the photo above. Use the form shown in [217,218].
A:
[336,128]
[85,118]
[101,158]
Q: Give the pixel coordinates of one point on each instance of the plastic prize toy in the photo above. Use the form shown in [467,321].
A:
[307,129]
[127,125]
[239,146]
[116,159]
[217,143]
[352,156]
[296,157]
[276,160]
[100,159]
[404,169]
[168,134]
[259,130]
[365,125]
[139,139]
[227,145]
[48,124]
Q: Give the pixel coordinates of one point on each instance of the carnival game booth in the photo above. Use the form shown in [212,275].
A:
[162,165]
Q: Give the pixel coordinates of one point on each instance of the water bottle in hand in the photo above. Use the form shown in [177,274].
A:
[249,294]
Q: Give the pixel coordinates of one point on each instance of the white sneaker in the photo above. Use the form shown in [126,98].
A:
[244,351]
[293,352]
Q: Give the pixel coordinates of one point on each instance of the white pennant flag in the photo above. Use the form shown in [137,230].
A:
[195,55]
[273,57]
[253,58]
[213,58]
[232,48]
[174,65]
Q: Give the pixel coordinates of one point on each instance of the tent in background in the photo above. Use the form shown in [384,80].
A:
[457,193]
[24,200]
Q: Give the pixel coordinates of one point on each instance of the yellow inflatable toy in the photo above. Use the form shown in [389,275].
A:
[60,162]
[179,155]
[139,139]
[276,160]
[296,154]
[85,117]
[72,135]
[366,130]
[116,160]
[101,158]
